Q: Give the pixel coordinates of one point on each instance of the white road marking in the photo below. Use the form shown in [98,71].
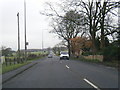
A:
[87,81]
[91,84]
[67,66]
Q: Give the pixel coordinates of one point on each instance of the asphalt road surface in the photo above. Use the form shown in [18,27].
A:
[55,73]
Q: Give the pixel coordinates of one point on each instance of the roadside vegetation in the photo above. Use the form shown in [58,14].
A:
[12,67]
[87,28]
[18,65]
[111,63]
[11,60]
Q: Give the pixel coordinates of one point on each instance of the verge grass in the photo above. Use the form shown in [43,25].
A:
[8,68]
[112,63]
[12,67]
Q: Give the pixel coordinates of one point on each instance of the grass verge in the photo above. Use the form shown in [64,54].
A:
[12,67]
[112,63]
[30,60]
[8,68]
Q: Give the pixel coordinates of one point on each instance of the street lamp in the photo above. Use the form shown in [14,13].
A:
[26,43]
[43,40]
[18,39]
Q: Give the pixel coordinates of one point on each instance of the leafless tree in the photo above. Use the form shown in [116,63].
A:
[91,9]
[68,26]
[96,12]
[106,8]
[82,17]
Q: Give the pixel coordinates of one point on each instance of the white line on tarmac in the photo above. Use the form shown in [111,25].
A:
[91,84]
[87,81]
[67,66]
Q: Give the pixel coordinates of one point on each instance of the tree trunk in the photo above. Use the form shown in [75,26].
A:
[69,50]
[102,39]
[102,33]
[94,43]
[102,25]
[93,34]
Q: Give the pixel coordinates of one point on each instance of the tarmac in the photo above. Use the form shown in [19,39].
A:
[11,74]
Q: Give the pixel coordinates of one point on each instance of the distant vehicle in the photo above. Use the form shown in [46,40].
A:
[64,55]
[50,56]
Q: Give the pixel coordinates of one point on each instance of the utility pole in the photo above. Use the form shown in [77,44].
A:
[18,39]
[25,30]
[42,41]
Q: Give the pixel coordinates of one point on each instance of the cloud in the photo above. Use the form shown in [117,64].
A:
[35,24]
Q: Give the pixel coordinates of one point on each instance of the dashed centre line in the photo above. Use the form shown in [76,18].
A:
[67,66]
[87,81]
[91,84]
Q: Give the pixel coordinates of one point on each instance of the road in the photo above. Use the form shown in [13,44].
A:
[53,73]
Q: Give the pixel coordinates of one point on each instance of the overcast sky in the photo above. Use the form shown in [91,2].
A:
[35,24]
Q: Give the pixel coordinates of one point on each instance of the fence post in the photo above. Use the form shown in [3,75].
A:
[14,60]
[18,60]
[10,61]
[21,60]
[6,61]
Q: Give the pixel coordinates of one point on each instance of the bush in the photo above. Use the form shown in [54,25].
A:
[32,56]
[111,53]
[91,53]
[87,53]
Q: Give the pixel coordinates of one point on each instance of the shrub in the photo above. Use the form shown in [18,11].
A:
[87,53]
[32,56]
[111,53]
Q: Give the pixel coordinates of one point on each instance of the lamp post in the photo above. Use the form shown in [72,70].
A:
[43,40]
[18,39]
[25,30]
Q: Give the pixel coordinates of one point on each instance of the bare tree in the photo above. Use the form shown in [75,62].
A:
[68,26]
[106,8]
[91,9]
[96,12]
[82,16]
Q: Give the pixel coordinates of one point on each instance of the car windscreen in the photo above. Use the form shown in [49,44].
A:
[64,52]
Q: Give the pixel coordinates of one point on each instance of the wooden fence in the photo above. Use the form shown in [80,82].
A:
[91,57]
[9,61]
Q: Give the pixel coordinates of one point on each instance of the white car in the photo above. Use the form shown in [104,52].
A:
[64,55]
